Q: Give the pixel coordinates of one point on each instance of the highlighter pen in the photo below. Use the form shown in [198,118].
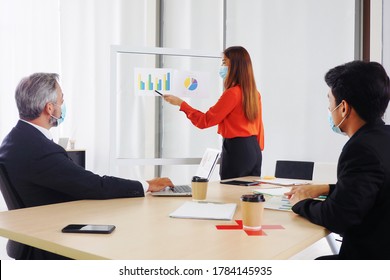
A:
[159,93]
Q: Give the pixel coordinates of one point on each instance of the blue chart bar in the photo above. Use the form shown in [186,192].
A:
[168,82]
[154,82]
[150,84]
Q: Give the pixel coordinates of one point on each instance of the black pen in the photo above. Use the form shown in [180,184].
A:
[159,93]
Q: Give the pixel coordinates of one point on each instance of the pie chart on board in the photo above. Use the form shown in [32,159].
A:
[191,83]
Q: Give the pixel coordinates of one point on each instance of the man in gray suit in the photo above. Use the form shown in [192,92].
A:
[40,170]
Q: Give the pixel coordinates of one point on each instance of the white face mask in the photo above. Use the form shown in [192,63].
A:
[62,117]
[335,128]
[223,70]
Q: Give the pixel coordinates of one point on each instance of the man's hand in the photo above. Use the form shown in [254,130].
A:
[157,184]
[298,193]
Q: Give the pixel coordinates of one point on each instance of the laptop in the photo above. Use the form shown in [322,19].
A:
[205,170]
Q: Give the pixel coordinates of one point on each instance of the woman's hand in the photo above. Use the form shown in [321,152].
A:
[174,100]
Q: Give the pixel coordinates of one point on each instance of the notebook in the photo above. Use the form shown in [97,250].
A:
[275,198]
[205,210]
[205,170]
[284,182]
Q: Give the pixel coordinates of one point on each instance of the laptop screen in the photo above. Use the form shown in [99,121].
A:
[208,163]
[205,170]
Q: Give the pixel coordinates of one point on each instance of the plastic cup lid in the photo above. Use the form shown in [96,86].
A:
[199,179]
[253,198]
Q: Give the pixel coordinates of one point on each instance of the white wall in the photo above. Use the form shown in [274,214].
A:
[293,44]
[386,35]
[386,44]
[88,29]
[29,42]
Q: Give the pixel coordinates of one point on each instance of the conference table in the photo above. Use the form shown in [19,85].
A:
[144,230]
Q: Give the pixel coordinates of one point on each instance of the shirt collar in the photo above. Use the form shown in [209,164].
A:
[44,131]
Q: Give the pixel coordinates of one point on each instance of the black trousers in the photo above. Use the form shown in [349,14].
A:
[241,156]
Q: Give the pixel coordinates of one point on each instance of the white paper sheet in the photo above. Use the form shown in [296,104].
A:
[275,198]
[205,210]
[278,191]
[283,182]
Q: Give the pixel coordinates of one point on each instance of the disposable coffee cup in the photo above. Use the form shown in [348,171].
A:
[72,143]
[252,211]
[63,142]
[199,188]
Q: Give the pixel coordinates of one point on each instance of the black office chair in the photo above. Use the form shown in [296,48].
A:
[294,169]
[15,249]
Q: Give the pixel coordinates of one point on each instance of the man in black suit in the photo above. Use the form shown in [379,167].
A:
[358,205]
[40,170]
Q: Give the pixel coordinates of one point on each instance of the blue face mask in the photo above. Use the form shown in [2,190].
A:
[223,70]
[63,113]
[335,128]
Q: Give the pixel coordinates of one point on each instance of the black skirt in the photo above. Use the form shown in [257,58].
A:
[241,156]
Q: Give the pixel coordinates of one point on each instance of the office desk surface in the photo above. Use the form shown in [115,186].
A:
[144,230]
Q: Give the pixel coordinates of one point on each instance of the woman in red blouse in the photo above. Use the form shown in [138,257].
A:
[238,114]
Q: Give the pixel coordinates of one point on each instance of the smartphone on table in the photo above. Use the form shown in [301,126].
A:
[240,183]
[89,228]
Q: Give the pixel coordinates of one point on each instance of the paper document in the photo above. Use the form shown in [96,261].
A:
[278,191]
[205,210]
[277,203]
[283,182]
[275,198]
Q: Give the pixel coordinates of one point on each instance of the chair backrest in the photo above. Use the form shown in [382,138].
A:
[11,197]
[294,169]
